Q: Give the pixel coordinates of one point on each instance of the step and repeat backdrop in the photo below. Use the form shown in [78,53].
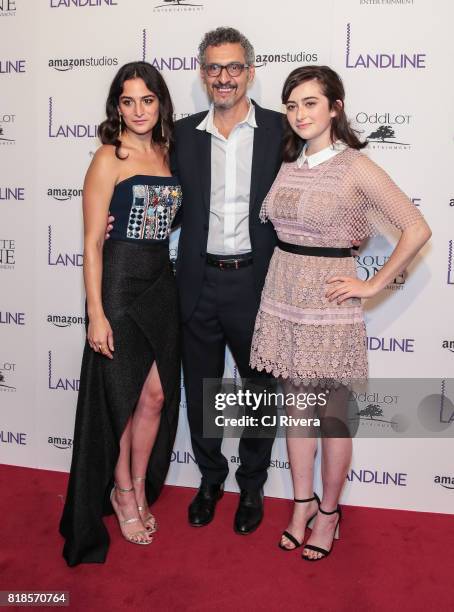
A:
[57,59]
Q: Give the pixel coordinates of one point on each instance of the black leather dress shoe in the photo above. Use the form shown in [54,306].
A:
[250,511]
[201,509]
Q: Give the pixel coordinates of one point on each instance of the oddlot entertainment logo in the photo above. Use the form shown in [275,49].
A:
[372,409]
[6,135]
[402,60]
[383,129]
[7,371]
[177,6]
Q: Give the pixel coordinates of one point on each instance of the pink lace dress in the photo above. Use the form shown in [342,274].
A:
[298,333]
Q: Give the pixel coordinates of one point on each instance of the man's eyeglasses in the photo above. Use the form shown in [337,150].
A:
[234,69]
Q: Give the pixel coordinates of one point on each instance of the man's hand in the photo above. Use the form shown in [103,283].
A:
[109,226]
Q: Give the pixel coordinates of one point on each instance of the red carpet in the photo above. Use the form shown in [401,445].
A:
[385,560]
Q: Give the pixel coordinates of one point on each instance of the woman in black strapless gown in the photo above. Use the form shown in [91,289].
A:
[127,410]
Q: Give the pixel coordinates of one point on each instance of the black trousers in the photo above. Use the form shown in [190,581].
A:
[225,315]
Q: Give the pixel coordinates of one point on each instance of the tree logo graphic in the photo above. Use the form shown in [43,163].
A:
[382,135]
[371,411]
[177,4]
[3,384]
[2,137]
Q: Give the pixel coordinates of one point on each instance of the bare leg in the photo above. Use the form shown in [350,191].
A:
[123,498]
[144,429]
[336,458]
[301,449]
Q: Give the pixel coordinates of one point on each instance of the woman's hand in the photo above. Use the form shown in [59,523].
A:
[100,336]
[348,287]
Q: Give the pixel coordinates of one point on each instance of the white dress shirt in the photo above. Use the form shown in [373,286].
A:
[231,166]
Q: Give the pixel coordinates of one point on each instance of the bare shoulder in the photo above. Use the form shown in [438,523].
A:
[105,164]
[105,156]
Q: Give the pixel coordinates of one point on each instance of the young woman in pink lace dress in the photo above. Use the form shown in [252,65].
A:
[310,329]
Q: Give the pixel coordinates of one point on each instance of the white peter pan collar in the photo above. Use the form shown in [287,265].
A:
[321,156]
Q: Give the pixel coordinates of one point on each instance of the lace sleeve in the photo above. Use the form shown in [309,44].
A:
[382,201]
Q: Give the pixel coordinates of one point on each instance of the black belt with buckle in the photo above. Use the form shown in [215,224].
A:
[299,249]
[229,262]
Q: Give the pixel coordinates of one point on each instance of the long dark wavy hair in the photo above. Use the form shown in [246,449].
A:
[333,88]
[162,133]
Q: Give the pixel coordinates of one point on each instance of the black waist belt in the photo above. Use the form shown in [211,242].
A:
[313,251]
[229,262]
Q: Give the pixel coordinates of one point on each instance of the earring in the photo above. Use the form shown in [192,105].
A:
[121,123]
[162,130]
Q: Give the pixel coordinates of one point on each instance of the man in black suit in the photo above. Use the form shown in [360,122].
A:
[226,160]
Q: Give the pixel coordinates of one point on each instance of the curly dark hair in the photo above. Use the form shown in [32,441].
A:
[333,89]
[162,133]
[222,36]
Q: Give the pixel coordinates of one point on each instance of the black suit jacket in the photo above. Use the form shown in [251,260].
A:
[192,163]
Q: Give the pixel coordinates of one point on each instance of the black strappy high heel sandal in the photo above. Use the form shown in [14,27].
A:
[322,551]
[291,537]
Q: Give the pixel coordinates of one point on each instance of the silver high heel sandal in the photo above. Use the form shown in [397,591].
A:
[148,519]
[136,537]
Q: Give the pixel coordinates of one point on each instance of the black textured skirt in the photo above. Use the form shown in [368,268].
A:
[140,302]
